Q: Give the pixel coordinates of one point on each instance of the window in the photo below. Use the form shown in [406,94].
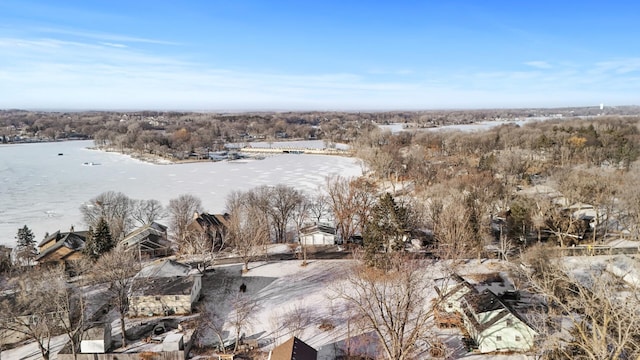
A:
[518,338]
[498,338]
[157,298]
[449,305]
[509,322]
[177,297]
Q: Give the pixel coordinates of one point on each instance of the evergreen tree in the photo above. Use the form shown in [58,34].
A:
[385,230]
[26,244]
[99,241]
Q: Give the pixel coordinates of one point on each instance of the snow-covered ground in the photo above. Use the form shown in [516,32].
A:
[286,290]
[477,126]
[32,352]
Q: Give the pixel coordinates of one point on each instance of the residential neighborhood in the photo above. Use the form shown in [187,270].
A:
[496,254]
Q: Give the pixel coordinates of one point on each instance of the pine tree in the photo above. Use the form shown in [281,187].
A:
[26,244]
[99,241]
[385,231]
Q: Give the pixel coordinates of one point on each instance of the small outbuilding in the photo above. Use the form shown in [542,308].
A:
[318,234]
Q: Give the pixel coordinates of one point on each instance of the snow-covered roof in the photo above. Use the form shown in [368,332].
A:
[164,268]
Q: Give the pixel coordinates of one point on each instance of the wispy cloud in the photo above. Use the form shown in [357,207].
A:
[538,64]
[114,45]
[109,37]
[618,66]
[82,73]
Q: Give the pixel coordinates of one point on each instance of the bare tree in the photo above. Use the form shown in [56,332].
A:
[248,229]
[595,188]
[351,201]
[210,320]
[117,268]
[181,211]
[70,302]
[318,206]
[393,304]
[592,314]
[283,201]
[242,315]
[300,218]
[30,308]
[147,211]
[114,207]
[513,165]
[297,319]
[454,235]
[630,196]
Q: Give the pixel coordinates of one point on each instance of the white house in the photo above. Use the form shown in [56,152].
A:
[318,234]
[494,325]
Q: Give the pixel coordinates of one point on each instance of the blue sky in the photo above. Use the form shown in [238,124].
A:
[317,55]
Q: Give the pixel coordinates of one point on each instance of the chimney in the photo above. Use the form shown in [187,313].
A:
[71,229]
[196,215]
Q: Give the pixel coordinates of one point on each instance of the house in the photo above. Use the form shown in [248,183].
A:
[61,247]
[213,225]
[149,240]
[318,234]
[494,325]
[164,287]
[293,349]
[451,292]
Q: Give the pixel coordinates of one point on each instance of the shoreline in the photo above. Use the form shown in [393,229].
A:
[148,158]
[159,160]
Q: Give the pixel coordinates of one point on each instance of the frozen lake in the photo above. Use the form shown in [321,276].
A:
[44,190]
[478,126]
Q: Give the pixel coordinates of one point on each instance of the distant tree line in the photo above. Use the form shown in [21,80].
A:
[180,134]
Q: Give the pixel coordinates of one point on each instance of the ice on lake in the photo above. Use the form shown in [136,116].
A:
[44,190]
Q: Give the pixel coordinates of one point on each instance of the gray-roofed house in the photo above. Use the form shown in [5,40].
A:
[164,287]
[494,325]
[149,241]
